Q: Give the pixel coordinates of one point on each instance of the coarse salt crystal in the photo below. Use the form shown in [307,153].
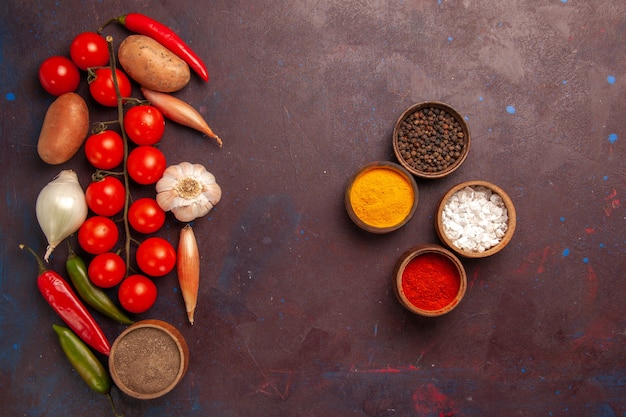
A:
[475,219]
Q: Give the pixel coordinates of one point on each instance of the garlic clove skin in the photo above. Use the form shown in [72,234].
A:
[191,212]
[188,190]
[61,209]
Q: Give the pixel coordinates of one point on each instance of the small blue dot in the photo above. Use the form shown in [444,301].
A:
[602,245]
[610,79]
[450,38]
[562,218]
[565,251]
[586,260]
[612,137]
[510,109]
[563,1]
[564,82]
[10,96]
[16,346]
[480,98]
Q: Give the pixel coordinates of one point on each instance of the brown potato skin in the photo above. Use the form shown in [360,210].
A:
[152,65]
[65,128]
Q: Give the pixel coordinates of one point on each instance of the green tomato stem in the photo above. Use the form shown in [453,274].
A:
[120,118]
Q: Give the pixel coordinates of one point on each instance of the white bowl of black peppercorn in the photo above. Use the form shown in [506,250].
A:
[431,139]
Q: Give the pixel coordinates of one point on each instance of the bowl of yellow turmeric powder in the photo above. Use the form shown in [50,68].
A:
[381,197]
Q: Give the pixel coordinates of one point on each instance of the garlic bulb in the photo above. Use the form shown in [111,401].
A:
[187,190]
[61,209]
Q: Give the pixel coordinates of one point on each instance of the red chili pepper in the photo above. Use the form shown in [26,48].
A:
[68,306]
[144,25]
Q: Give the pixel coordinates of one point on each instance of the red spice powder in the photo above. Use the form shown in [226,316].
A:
[430,281]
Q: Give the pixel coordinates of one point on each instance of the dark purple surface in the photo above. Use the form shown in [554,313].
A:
[296,314]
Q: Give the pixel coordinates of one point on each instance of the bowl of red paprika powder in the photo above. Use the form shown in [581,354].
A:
[429,280]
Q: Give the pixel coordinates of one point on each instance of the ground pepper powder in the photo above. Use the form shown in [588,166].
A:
[381,197]
[430,281]
[147,360]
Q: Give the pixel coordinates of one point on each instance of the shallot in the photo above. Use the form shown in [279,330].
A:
[179,111]
[188,268]
[61,209]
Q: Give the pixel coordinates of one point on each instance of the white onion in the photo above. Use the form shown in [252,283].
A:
[61,209]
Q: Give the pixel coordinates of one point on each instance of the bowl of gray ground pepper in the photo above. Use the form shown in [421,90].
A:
[431,139]
[148,359]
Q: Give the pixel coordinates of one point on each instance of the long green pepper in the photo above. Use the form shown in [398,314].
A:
[91,294]
[83,360]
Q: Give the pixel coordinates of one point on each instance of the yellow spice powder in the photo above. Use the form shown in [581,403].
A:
[381,197]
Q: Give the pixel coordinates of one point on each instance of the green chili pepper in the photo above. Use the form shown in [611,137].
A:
[83,360]
[91,294]
[86,364]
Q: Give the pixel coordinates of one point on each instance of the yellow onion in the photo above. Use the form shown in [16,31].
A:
[188,268]
[187,190]
[61,209]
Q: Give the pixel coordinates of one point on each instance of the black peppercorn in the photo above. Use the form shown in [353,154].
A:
[431,139]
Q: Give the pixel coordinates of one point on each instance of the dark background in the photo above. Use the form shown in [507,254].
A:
[296,314]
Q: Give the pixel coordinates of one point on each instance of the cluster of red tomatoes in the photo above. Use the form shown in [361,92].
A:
[106,198]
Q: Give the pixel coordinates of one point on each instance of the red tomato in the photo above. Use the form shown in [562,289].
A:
[58,75]
[146,216]
[155,256]
[102,88]
[107,270]
[144,124]
[106,197]
[105,150]
[146,164]
[98,234]
[137,293]
[88,49]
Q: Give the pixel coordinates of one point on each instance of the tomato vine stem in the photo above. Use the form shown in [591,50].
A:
[120,120]
[99,174]
[99,127]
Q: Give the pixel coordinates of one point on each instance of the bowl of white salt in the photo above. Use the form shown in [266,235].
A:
[476,219]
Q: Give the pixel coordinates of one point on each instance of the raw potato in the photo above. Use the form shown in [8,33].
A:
[64,129]
[152,65]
